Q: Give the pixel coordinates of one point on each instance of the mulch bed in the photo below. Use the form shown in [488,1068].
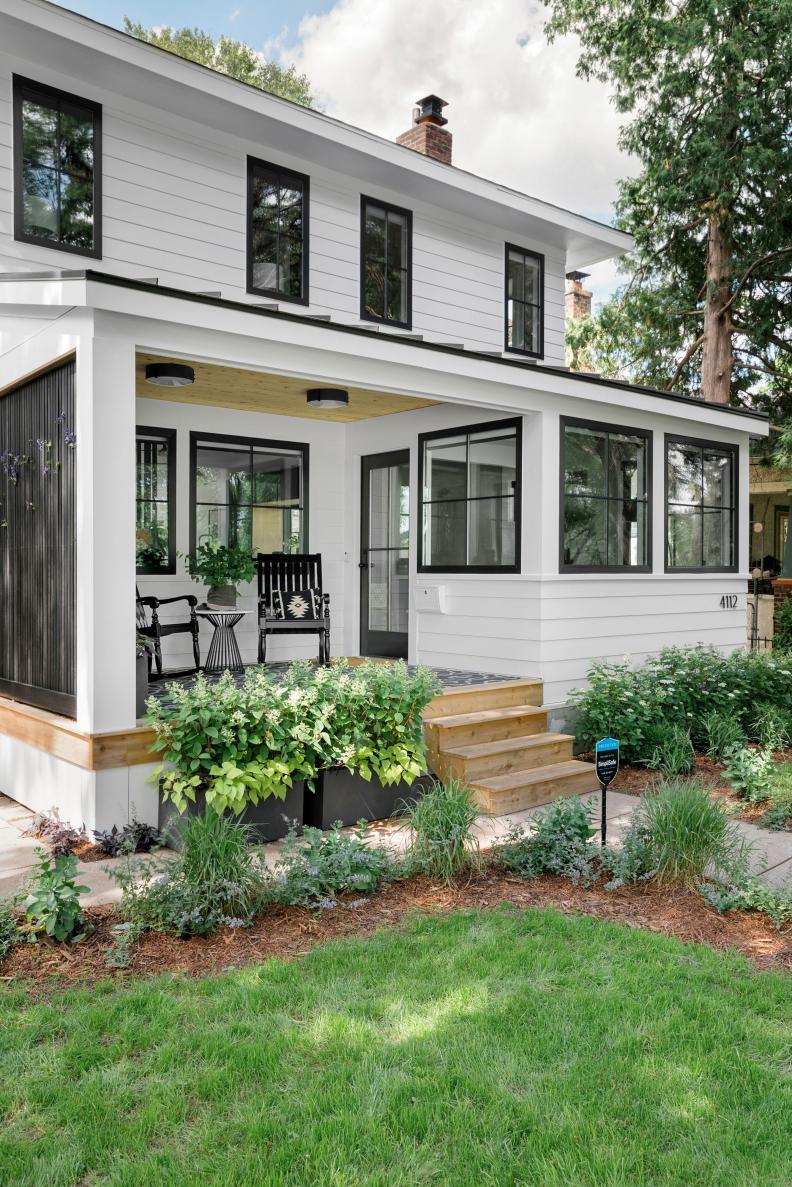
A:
[637,780]
[289,932]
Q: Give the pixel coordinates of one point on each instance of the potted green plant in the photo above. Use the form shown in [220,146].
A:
[220,568]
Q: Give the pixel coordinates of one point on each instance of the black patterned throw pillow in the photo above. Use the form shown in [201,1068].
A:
[299,605]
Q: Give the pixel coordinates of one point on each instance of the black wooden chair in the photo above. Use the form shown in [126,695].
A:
[150,627]
[289,574]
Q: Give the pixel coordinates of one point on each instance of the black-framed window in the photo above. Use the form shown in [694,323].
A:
[57,169]
[155,494]
[469,482]
[701,505]
[606,483]
[277,248]
[249,493]
[524,304]
[385,263]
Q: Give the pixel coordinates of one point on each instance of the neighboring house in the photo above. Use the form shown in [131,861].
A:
[476,504]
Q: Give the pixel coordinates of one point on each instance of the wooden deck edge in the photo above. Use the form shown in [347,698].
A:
[60,737]
[109,749]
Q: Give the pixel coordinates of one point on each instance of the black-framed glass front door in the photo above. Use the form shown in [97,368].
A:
[384,554]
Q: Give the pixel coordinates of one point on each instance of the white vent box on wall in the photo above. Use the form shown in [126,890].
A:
[430,599]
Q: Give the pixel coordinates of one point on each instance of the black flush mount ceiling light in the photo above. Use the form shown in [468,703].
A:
[327,397]
[169,374]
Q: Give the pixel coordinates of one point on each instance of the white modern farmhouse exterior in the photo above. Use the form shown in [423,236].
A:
[476,505]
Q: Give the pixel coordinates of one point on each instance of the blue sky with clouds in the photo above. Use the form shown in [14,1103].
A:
[255,23]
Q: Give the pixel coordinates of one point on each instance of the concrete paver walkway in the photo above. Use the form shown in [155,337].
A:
[772,860]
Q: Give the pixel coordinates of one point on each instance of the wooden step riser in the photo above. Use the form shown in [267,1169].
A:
[471,700]
[468,769]
[517,799]
[448,736]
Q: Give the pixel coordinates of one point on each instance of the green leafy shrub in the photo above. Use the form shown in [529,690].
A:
[677,832]
[316,867]
[750,894]
[559,844]
[9,927]
[771,726]
[723,734]
[217,881]
[680,685]
[53,905]
[750,773]
[669,749]
[782,639]
[776,817]
[442,842]
[239,745]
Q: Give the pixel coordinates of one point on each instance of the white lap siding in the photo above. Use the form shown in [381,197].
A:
[174,207]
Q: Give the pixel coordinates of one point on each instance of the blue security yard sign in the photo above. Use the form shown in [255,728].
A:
[606,764]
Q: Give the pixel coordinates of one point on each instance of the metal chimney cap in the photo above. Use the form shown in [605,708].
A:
[431,110]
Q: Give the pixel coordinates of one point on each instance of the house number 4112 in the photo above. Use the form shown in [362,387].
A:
[728,602]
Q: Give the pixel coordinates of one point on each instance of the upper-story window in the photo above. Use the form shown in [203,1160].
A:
[277,232]
[385,263]
[57,169]
[605,497]
[524,314]
[701,505]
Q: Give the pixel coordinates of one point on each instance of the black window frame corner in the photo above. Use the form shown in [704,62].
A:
[537,255]
[606,427]
[515,422]
[305,180]
[302,447]
[171,436]
[366,199]
[23,88]
[731,448]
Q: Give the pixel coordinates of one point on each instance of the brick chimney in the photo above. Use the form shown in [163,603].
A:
[577,299]
[429,134]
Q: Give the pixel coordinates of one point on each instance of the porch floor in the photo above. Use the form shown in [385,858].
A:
[448,677]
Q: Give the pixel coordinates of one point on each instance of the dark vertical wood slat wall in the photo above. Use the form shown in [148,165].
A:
[37,545]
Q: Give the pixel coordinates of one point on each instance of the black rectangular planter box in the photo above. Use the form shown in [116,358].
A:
[269,819]
[346,796]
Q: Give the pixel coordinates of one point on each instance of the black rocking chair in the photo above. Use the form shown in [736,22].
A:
[290,573]
[151,627]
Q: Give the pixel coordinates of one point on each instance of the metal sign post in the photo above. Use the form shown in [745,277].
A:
[606,763]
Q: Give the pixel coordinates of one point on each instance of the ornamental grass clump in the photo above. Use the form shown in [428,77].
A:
[217,881]
[240,744]
[678,833]
[442,842]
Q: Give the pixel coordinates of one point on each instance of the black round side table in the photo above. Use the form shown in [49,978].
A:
[224,649]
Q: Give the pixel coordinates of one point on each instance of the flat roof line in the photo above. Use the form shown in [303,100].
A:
[156,289]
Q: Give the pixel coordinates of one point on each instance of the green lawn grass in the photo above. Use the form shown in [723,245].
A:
[473,1049]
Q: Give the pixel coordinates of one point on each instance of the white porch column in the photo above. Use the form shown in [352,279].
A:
[105,427]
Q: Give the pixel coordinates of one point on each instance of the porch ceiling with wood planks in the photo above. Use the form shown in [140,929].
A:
[256,391]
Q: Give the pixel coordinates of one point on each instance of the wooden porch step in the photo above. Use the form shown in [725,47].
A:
[518,790]
[470,763]
[474,697]
[487,725]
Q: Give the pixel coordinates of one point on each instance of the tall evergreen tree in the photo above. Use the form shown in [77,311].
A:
[705,85]
[230,57]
